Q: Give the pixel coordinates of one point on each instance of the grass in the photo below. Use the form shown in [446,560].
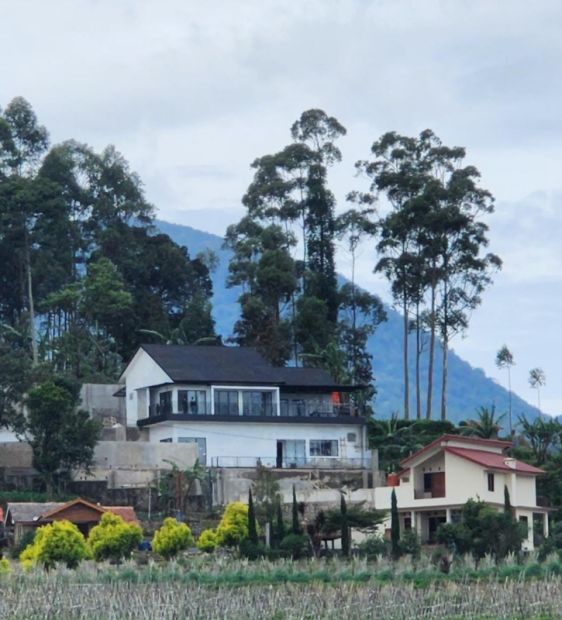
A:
[225,587]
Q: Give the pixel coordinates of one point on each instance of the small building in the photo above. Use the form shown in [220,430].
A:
[22,517]
[436,481]
[240,410]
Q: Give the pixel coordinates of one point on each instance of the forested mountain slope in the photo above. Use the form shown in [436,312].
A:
[469,388]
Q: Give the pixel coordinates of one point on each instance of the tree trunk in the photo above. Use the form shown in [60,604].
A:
[31,305]
[406,368]
[431,354]
[418,355]
[444,378]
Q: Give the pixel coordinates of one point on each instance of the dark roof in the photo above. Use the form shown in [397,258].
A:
[231,365]
[27,512]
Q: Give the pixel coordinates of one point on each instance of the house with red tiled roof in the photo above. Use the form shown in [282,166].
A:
[22,517]
[436,481]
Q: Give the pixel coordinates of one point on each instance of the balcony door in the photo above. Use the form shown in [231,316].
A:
[291,453]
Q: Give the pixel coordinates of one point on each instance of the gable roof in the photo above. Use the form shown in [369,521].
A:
[230,365]
[29,512]
[49,514]
[476,441]
[492,460]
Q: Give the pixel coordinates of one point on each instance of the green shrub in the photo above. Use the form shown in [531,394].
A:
[23,542]
[5,568]
[410,544]
[60,541]
[233,527]
[374,547]
[113,539]
[296,546]
[207,541]
[171,538]
[251,550]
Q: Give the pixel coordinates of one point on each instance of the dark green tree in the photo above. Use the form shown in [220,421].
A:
[345,533]
[61,436]
[487,425]
[296,526]
[394,526]
[252,524]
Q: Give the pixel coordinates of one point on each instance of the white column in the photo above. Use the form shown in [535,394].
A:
[545,524]
[448,515]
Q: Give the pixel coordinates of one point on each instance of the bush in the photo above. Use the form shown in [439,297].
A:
[233,527]
[374,547]
[251,550]
[296,546]
[24,542]
[171,538]
[410,544]
[60,541]
[207,541]
[5,568]
[113,539]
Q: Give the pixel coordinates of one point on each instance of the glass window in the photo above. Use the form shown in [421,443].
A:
[165,402]
[284,406]
[491,482]
[192,401]
[167,440]
[323,447]
[226,402]
[257,403]
[427,482]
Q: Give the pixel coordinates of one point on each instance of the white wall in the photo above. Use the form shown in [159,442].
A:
[250,440]
[141,373]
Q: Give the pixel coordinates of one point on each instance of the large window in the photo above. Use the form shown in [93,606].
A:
[226,402]
[192,401]
[323,447]
[491,482]
[257,403]
[165,402]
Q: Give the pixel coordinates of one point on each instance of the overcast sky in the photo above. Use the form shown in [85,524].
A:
[191,92]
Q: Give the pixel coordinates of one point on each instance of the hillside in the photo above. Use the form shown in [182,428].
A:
[469,388]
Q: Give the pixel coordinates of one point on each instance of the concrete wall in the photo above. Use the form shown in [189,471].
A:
[99,401]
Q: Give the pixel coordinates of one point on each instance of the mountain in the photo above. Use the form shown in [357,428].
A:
[469,388]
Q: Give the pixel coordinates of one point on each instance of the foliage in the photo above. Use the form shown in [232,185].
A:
[61,436]
[394,526]
[374,547]
[207,541]
[483,530]
[410,544]
[486,426]
[252,525]
[344,528]
[172,538]
[60,541]
[296,546]
[296,526]
[5,568]
[113,539]
[233,526]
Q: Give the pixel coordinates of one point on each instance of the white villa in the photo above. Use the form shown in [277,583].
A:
[240,410]
[436,482]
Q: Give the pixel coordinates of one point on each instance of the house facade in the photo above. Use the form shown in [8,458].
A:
[439,479]
[240,410]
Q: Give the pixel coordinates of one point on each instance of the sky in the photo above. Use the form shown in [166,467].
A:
[192,92]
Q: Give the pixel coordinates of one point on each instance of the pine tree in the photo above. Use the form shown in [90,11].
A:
[345,534]
[252,525]
[394,526]
[296,523]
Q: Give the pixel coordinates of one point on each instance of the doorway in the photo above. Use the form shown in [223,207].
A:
[291,453]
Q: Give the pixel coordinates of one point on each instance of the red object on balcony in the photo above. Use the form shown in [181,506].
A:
[336,400]
[393,480]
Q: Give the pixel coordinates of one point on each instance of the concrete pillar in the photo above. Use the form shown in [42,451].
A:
[448,515]
[545,524]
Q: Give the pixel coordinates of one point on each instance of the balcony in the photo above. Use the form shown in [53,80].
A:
[301,462]
[421,494]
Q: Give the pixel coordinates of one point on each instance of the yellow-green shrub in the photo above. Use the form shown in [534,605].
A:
[60,541]
[113,538]
[233,527]
[172,538]
[208,541]
[5,568]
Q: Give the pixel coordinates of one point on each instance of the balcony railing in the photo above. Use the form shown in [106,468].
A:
[293,410]
[421,494]
[303,462]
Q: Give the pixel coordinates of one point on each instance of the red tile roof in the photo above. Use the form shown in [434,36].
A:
[497,443]
[127,513]
[492,460]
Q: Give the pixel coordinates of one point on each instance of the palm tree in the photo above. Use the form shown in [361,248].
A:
[537,379]
[487,426]
[504,359]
